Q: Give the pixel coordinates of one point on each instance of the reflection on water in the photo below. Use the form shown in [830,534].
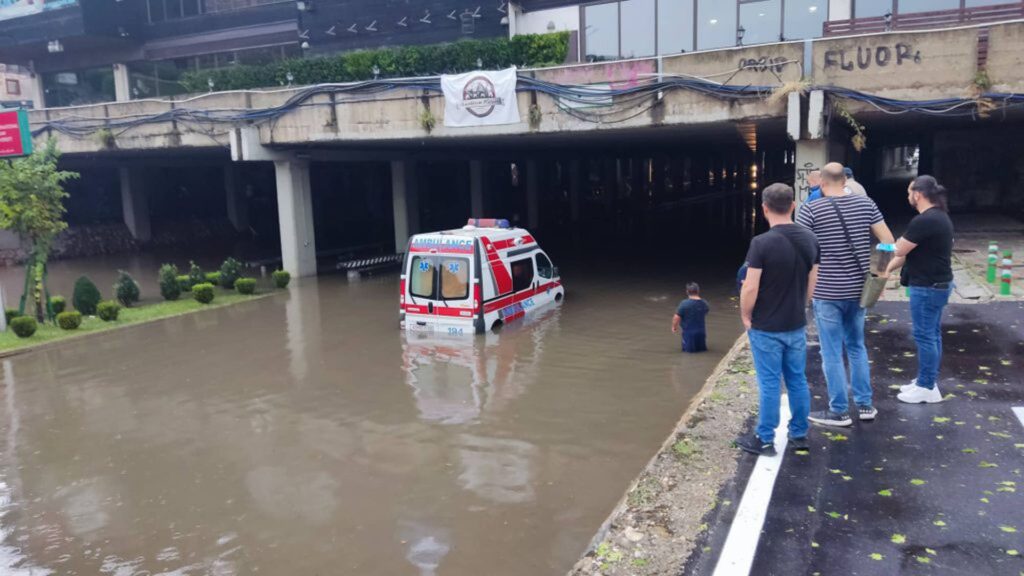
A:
[305,433]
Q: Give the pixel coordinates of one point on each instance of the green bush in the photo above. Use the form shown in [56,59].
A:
[24,326]
[170,288]
[108,310]
[58,304]
[527,50]
[281,278]
[185,283]
[11,314]
[70,320]
[230,271]
[195,274]
[245,285]
[86,296]
[203,293]
[212,278]
[126,289]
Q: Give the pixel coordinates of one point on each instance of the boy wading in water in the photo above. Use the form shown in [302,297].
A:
[691,314]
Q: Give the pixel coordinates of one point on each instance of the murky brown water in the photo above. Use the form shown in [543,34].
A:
[305,434]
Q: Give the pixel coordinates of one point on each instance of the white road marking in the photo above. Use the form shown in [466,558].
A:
[737,555]
[1019,411]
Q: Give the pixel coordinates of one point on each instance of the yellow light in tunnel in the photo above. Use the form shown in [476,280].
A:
[753,185]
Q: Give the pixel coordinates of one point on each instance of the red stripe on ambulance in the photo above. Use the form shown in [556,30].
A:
[502,277]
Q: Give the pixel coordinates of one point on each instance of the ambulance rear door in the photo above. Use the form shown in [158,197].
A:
[440,286]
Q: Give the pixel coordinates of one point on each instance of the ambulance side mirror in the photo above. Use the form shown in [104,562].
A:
[554,271]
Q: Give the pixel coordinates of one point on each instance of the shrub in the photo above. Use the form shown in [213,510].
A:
[212,278]
[126,289]
[281,278]
[170,288]
[24,326]
[203,293]
[245,285]
[58,304]
[86,296]
[108,310]
[11,314]
[70,320]
[526,50]
[185,283]
[230,271]
[195,274]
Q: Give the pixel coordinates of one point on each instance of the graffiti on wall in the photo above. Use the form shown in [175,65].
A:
[618,75]
[867,57]
[18,8]
[763,64]
[803,189]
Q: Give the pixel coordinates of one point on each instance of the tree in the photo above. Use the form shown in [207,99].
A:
[32,205]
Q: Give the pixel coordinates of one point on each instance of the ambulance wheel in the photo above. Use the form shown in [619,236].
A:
[558,297]
[496,327]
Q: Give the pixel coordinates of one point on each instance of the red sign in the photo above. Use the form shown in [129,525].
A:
[15,137]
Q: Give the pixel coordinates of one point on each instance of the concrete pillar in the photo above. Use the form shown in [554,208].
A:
[405,201]
[810,155]
[135,203]
[237,201]
[122,83]
[532,194]
[476,189]
[575,187]
[295,217]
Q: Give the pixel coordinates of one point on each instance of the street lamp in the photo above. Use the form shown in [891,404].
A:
[740,32]
[376,71]
[888,21]
[479,63]
[209,84]
[289,77]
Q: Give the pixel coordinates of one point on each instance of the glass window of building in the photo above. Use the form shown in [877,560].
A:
[716,24]
[192,8]
[174,9]
[675,26]
[637,28]
[88,86]
[761,21]
[869,8]
[601,35]
[804,19]
[909,6]
[156,11]
[976,3]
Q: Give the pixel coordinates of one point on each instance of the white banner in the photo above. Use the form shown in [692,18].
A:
[483,98]
[18,8]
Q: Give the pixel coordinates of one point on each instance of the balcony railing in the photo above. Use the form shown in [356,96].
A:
[924,20]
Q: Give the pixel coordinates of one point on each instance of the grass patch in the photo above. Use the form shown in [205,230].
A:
[685,448]
[128,316]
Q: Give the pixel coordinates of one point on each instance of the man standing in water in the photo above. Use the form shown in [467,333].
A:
[927,249]
[843,223]
[691,314]
[783,270]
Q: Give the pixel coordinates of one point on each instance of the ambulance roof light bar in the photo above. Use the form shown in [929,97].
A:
[488,223]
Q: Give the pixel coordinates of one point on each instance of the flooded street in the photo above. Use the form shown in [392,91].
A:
[306,434]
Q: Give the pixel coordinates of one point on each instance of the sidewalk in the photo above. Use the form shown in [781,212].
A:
[926,489]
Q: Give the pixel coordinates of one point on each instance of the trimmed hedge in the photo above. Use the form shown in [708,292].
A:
[126,289]
[195,274]
[58,304]
[230,271]
[86,296]
[108,310]
[170,287]
[203,293]
[70,320]
[281,278]
[527,50]
[245,285]
[185,283]
[212,278]
[11,314]
[24,326]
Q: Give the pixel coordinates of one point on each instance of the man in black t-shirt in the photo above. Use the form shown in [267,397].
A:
[783,268]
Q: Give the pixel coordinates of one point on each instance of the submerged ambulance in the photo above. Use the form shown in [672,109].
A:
[475,279]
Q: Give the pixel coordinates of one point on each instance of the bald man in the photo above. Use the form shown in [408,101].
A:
[843,223]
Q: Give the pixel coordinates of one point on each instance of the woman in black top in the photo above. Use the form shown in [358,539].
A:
[927,250]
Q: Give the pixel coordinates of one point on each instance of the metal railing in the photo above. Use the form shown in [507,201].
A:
[925,20]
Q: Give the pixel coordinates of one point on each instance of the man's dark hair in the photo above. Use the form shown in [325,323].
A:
[778,198]
[692,288]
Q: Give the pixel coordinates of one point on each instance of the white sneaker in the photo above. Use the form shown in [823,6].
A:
[920,395]
[909,387]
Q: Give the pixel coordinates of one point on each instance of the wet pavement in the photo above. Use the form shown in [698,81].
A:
[925,489]
[305,434]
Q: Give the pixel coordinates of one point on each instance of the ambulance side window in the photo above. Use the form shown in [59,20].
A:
[454,278]
[522,274]
[544,267]
[421,277]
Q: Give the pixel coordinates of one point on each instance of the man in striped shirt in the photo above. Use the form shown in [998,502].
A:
[843,223]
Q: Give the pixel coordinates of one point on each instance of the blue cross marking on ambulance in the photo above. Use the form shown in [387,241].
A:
[453,267]
[424,266]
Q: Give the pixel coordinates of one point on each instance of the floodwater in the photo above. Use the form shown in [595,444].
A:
[306,434]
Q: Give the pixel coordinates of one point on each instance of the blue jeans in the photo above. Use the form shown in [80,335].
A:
[781,355]
[926,306]
[841,325]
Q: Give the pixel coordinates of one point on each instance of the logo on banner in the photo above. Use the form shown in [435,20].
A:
[479,97]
